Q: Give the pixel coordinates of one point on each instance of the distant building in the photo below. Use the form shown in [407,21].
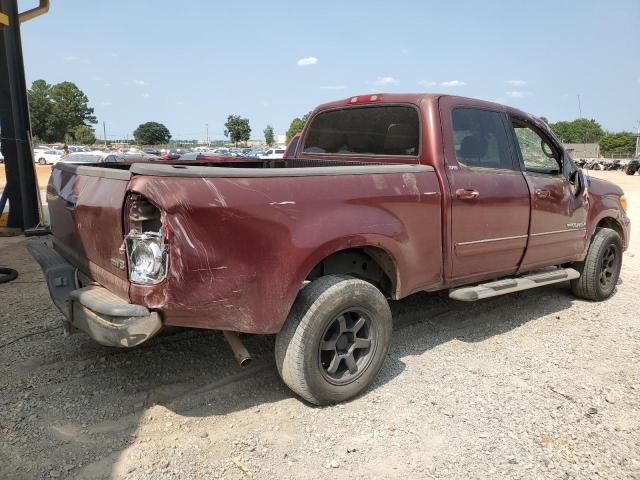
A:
[282,139]
[583,150]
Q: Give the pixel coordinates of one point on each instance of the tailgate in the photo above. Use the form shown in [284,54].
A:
[85,207]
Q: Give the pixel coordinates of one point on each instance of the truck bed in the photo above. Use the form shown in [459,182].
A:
[243,239]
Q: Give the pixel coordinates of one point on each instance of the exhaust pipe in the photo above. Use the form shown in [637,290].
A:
[240,353]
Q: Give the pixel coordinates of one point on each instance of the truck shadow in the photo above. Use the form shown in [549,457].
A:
[112,396]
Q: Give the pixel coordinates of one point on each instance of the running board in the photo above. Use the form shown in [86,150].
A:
[509,285]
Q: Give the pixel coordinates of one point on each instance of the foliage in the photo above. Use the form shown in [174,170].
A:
[545,120]
[152,133]
[622,142]
[297,124]
[268,136]
[581,130]
[237,129]
[56,110]
[83,135]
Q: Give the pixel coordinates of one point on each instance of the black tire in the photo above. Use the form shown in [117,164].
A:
[631,169]
[42,161]
[312,349]
[600,269]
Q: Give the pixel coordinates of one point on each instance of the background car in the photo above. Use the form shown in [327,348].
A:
[90,157]
[273,154]
[44,157]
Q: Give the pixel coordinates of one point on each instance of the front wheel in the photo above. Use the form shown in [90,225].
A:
[335,339]
[600,270]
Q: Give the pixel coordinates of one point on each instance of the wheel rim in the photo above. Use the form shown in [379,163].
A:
[347,347]
[609,267]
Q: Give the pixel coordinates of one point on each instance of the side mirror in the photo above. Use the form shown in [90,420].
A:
[579,180]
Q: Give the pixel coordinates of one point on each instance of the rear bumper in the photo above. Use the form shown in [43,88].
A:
[104,316]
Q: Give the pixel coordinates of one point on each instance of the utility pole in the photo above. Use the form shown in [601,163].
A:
[207,127]
[104,132]
[579,106]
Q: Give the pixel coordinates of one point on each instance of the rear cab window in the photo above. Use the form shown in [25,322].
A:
[291,149]
[390,130]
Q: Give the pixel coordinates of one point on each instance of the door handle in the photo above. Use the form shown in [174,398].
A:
[467,193]
[540,193]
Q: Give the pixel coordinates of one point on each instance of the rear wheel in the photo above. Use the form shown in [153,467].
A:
[335,340]
[600,270]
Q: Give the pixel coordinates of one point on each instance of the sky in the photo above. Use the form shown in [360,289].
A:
[192,63]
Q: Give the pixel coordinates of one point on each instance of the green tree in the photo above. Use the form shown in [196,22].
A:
[57,110]
[268,135]
[297,124]
[151,133]
[70,108]
[545,120]
[237,129]
[41,111]
[622,142]
[83,135]
[581,130]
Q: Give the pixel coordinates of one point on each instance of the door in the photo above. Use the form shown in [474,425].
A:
[558,216]
[490,199]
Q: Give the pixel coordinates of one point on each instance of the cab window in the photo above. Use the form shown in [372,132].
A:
[538,153]
[480,139]
[371,130]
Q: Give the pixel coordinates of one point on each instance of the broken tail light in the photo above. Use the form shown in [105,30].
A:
[146,241]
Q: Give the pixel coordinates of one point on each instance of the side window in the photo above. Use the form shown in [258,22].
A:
[538,153]
[480,139]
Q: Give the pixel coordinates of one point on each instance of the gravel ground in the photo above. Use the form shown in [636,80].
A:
[534,385]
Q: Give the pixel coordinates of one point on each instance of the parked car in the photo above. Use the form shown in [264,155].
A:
[273,154]
[89,157]
[44,157]
[391,194]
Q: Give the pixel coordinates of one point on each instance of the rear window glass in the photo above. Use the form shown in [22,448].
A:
[379,130]
[291,149]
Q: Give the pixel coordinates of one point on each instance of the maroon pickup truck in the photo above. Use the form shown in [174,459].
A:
[385,195]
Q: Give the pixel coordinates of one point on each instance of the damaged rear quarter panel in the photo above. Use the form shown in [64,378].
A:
[241,247]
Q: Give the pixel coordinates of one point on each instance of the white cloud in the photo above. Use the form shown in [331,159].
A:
[387,81]
[139,82]
[70,58]
[146,95]
[106,103]
[453,83]
[332,87]
[516,83]
[303,62]
[427,83]
[518,94]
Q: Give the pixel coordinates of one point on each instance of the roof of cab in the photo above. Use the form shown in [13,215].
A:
[415,99]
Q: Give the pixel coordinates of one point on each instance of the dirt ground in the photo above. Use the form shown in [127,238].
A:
[534,385]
